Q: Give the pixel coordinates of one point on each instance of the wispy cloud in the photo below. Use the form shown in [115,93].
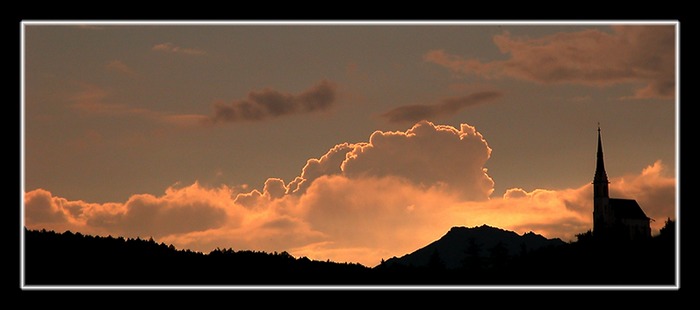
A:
[418,112]
[627,54]
[269,103]
[95,100]
[172,48]
[120,67]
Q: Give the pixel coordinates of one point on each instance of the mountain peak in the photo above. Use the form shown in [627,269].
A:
[482,241]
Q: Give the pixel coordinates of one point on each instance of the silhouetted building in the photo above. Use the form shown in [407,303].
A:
[614,218]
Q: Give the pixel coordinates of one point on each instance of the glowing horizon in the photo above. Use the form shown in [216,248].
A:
[392,206]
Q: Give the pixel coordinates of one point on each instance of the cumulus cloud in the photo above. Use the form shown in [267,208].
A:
[178,211]
[269,103]
[274,188]
[44,209]
[172,48]
[427,155]
[418,112]
[627,54]
[358,202]
[192,217]
[329,164]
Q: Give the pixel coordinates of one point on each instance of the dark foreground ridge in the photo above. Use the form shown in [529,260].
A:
[464,256]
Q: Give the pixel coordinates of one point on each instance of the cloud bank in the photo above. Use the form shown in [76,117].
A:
[359,202]
[418,112]
[642,55]
[269,103]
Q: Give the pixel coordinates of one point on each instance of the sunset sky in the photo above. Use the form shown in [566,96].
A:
[350,141]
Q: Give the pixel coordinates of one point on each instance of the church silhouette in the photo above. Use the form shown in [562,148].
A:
[615,219]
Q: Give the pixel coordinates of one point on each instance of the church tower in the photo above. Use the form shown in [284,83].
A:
[615,219]
[601,199]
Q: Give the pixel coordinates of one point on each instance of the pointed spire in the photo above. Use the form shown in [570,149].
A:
[600,175]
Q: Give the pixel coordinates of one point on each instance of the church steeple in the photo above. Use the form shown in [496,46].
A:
[601,177]
[602,214]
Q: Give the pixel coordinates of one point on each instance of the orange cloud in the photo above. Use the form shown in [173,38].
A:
[329,164]
[627,54]
[386,215]
[357,203]
[43,209]
[653,189]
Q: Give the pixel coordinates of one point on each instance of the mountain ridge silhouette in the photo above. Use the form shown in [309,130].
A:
[453,247]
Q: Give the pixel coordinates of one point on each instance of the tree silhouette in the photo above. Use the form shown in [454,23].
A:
[585,237]
[668,230]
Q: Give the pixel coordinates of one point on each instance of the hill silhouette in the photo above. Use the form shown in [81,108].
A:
[462,243]
[463,256]
[487,256]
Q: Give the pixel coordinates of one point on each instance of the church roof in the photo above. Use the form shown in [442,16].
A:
[627,208]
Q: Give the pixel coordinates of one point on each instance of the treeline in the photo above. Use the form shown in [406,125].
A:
[75,259]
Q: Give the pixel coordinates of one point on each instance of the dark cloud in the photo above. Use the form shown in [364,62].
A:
[415,113]
[269,103]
